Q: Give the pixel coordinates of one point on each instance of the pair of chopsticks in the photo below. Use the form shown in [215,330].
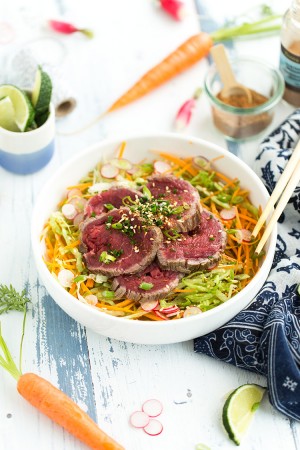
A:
[283,191]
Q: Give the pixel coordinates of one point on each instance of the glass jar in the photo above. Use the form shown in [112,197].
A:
[290,53]
[241,123]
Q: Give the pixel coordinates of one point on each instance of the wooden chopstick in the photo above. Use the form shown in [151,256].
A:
[286,195]
[282,182]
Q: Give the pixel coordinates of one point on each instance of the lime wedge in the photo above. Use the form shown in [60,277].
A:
[239,410]
[41,93]
[7,115]
[23,110]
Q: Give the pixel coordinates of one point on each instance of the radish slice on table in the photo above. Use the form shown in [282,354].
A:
[202,163]
[149,305]
[161,166]
[139,419]
[69,211]
[65,277]
[243,235]
[154,427]
[192,311]
[152,407]
[228,214]
[121,163]
[109,171]
[78,219]
[74,193]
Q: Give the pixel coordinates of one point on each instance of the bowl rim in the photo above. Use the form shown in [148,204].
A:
[82,307]
[272,101]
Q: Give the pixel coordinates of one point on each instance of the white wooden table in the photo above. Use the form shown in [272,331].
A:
[111,379]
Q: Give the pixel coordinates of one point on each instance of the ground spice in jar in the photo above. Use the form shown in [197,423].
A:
[240,126]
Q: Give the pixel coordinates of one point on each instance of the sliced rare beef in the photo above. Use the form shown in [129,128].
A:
[113,196]
[198,249]
[179,193]
[116,243]
[159,283]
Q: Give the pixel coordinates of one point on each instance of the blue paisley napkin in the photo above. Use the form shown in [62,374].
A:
[265,337]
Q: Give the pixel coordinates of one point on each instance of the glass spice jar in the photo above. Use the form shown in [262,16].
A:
[290,53]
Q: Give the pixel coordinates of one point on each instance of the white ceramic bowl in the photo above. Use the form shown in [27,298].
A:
[143,332]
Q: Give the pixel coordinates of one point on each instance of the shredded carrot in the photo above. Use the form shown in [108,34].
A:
[222,177]
[217,158]
[90,283]
[249,219]
[122,149]
[72,245]
[112,308]
[126,302]
[81,186]
[153,316]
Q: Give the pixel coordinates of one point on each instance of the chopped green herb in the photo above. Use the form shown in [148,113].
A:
[109,206]
[106,258]
[146,286]
[93,214]
[117,226]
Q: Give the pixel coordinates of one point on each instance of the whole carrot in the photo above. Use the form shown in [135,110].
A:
[187,54]
[61,409]
[43,395]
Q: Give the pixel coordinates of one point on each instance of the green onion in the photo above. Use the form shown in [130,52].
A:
[109,206]
[146,286]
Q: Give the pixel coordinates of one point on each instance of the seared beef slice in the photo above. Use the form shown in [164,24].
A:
[113,196]
[111,251]
[179,193]
[197,249]
[162,281]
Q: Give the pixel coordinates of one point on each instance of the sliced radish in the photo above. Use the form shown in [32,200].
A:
[161,166]
[91,299]
[69,211]
[152,407]
[109,171]
[149,305]
[192,311]
[78,219]
[121,163]
[154,427]
[74,193]
[78,202]
[212,267]
[202,163]
[139,419]
[158,314]
[228,214]
[170,310]
[243,235]
[65,277]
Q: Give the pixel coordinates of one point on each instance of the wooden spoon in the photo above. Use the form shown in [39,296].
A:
[230,85]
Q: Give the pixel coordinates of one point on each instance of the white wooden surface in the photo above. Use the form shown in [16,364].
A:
[111,379]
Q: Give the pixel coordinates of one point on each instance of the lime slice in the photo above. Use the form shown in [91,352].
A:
[239,410]
[41,93]
[24,112]
[7,115]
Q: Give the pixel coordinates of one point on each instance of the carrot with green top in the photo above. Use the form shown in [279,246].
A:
[187,54]
[43,395]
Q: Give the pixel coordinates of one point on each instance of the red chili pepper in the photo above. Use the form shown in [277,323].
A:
[175,8]
[185,113]
[68,28]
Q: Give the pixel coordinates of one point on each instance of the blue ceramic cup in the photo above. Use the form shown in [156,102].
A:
[28,152]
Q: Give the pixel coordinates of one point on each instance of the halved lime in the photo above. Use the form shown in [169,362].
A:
[41,93]
[239,410]
[24,112]
[7,115]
